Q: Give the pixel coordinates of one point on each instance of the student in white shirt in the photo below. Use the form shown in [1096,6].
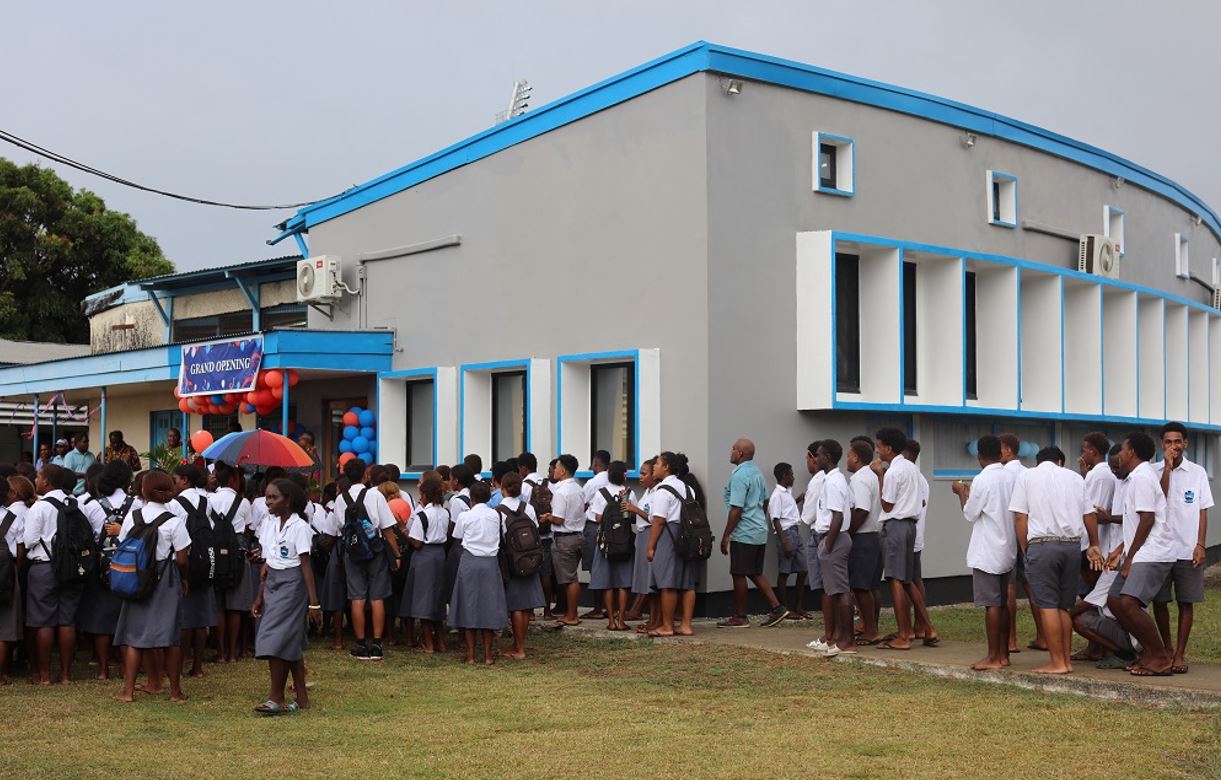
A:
[288,598]
[1011,445]
[527,466]
[235,602]
[865,560]
[808,502]
[199,605]
[671,573]
[923,630]
[1188,499]
[99,611]
[478,601]
[523,594]
[641,567]
[790,550]
[1099,493]
[462,477]
[1150,550]
[990,554]
[567,519]
[834,548]
[18,498]
[427,533]
[589,535]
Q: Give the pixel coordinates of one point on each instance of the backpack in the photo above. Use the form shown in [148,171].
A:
[694,541]
[616,540]
[361,542]
[522,550]
[8,564]
[73,551]
[540,497]
[108,544]
[133,567]
[230,562]
[201,565]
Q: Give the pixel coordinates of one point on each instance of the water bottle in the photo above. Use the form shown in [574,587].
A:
[368,526]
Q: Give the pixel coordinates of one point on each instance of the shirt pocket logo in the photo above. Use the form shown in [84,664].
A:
[1189,497]
[284,551]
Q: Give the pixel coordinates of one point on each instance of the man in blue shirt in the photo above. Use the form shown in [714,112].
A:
[78,460]
[61,451]
[745,539]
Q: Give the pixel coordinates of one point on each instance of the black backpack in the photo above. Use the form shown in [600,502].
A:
[361,541]
[540,497]
[694,541]
[230,561]
[108,544]
[73,551]
[201,563]
[616,540]
[522,547]
[8,564]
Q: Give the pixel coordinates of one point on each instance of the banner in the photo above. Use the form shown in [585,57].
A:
[217,367]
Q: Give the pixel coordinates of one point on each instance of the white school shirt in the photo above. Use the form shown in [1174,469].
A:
[478,528]
[512,504]
[835,496]
[568,502]
[317,517]
[992,547]
[1144,494]
[438,525]
[172,535]
[192,495]
[809,506]
[665,505]
[646,502]
[1015,467]
[97,513]
[901,487]
[783,507]
[40,524]
[1053,500]
[283,547]
[221,502]
[590,489]
[924,492]
[527,489]
[16,531]
[1189,493]
[1100,484]
[379,511]
[866,495]
[258,513]
[598,504]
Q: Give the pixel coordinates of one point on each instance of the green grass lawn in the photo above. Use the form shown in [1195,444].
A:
[585,708]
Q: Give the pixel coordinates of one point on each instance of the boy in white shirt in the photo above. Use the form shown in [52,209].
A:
[865,561]
[834,548]
[790,551]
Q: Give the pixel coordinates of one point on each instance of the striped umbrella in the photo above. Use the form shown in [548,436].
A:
[258,448]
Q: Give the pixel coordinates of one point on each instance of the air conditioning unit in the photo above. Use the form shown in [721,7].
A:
[1217,298]
[318,279]
[1098,254]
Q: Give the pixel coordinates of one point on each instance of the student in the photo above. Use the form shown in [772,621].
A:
[99,611]
[589,538]
[234,602]
[50,607]
[462,477]
[199,603]
[368,582]
[790,550]
[990,553]
[1050,516]
[523,595]
[612,578]
[745,537]
[567,517]
[1188,499]
[1010,447]
[287,594]
[834,546]
[673,577]
[864,560]
[641,568]
[18,498]
[1150,552]
[1099,492]
[150,631]
[499,469]
[427,533]
[478,601]
[923,630]
[527,467]
[400,509]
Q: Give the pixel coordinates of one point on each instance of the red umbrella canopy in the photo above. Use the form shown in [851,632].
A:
[258,448]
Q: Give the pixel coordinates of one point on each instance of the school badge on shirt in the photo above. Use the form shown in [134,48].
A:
[284,552]
[1189,497]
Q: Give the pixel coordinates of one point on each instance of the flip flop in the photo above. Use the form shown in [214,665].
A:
[1033,646]
[862,642]
[889,637]
[1179,669]
[888,646]
[270,708]
[933,642]
[1082,655]
[1140,671]
[1112,662]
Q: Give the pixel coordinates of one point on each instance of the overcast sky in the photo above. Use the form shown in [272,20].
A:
[280,102]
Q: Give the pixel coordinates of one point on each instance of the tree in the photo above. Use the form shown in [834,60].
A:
[56,247]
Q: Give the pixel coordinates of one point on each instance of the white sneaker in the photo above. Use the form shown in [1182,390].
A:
[817,644]
[831,651]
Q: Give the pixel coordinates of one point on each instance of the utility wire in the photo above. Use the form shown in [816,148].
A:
[34,148]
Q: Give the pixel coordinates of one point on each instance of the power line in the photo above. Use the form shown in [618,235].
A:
[34,148]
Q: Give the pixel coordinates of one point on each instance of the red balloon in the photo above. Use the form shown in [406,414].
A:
[351,418]
[184,406]
[277,392]
[275,379]
[201,440]
[345,457]
[293,377]
[260,380]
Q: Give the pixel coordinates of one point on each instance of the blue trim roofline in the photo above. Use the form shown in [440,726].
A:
[707,57]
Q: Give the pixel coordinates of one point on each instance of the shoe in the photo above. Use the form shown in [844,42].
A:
[733,622]
[361,652]
[776,617]
[831,651]
[817,644]
[375,651]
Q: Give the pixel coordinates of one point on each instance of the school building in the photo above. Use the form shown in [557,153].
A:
[719,244]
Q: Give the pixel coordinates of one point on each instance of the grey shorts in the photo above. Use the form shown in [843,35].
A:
[899,550]
[368,581]
[566,557]
[1053,569]
[991,590]
[813,566]
[797,563]
[746,560]
[865,562]
[834,564]
[589,545]
[1188,582]
[918,571]
[1094,621]
[1144,581]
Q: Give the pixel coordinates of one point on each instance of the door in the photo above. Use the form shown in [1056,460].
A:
[159,424]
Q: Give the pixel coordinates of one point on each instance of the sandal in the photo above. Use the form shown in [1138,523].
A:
[863,642]
[1140,671]
[1112,662]
[270,708]
[931,641]
[1179,669]
[888,646]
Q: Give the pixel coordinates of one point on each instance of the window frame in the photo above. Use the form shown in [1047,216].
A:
[909,295]
[1109,215]
[970,335]
[421,379]
[573,408]
[996,196]
[523,375]
[1182,256]
[630,365]
[843,164]
[847,315]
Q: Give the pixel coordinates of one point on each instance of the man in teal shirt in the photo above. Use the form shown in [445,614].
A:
[78,460]
[745,539]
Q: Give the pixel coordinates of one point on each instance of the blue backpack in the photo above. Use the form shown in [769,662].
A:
[133,566]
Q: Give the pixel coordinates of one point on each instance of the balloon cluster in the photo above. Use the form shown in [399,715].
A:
[263,399]
[359,435]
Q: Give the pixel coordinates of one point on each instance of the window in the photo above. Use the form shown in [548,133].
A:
[612,409]
[847,323]
[1002,199]
[969,335]
[218,424]
[508,414]
[197,328]
[909,328]
[834,161]
[1217,272]
[1182,268]
[283,317]
[420,431]
[1113,226]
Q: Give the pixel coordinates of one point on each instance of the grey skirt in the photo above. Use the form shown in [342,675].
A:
[281,630]
[156,621]
[333,593]
[99,612]
[47,603]
[641,566]
[241,596]
[524,594]
[478,600]
[199,608]
[452,558]
[425,594]
[11,625]
[669,570]
[606,575]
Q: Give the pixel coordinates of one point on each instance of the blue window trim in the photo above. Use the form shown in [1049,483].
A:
[406,376]
[491,367]
[839,141]
[995,176]
[1108,210]
[592,358]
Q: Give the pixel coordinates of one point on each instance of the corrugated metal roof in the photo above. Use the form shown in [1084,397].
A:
[13,353]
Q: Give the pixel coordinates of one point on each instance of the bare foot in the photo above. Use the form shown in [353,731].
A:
[124,699]
[303,704]
[657,632]
[39,682]
[985,664]
[1004,662]
[489,661]
[65,680]
[178,698]
[681,632]
[1049,669]
[515,656]
[143,688]
[470,662]
[198,674]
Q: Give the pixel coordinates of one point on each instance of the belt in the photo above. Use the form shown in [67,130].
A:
[566,533]
[1043,539]
[910,519]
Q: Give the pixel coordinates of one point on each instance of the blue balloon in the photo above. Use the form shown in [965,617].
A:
[360,444]
[350,432]
[345,445]
[367,432]
[372,445]
[219,400]
[355,410]
[365,456]
[367,418]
